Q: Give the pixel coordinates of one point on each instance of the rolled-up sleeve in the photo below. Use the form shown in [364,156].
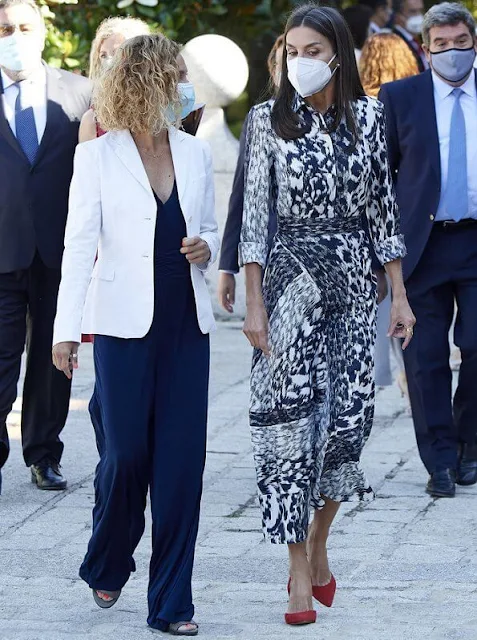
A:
[254,236]
[382,209]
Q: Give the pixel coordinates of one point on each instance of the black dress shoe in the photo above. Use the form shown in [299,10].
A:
[467,466]
[46,475]
[441,484]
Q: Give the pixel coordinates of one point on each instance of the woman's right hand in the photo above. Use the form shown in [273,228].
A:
[256,327]
[65,357]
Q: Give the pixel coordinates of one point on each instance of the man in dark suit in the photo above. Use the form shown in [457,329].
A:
[40,110]
[432,140]
[407,24]
[380,14]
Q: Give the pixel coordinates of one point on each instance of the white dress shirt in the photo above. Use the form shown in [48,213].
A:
[34,89]
[444,104]
[374,28]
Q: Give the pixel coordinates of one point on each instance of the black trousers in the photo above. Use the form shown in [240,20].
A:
[27,312]
[446,276]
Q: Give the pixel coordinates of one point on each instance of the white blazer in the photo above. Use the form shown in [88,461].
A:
[112,211]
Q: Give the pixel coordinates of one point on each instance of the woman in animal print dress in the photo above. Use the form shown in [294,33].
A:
[312,319]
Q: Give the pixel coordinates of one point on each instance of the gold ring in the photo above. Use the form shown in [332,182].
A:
[409,330]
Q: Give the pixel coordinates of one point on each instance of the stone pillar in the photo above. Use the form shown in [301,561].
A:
[219,71]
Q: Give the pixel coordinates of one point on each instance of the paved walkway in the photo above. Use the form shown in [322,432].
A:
[406,564]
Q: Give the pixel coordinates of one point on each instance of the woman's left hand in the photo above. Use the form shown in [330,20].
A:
[402,320]
[195,250]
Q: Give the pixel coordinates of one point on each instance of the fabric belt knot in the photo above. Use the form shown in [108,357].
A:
[25,125]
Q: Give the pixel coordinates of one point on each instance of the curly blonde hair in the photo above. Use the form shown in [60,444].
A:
[139,92]
[385,57]
[127,27]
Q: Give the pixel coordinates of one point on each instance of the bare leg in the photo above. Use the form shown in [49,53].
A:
[317,539]
[300,589]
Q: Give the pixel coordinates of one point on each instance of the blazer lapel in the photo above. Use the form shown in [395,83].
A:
[126,150]
[179,159]
[428,122]
[5,131]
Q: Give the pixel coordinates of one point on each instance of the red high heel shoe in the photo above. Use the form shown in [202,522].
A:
[326,593]
[302,617]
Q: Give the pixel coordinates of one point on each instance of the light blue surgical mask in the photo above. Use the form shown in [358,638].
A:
[187,97]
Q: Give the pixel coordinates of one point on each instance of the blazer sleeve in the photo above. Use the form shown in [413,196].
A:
[256,207]
[233,226]
[81,242]
[209,230]
[382,210]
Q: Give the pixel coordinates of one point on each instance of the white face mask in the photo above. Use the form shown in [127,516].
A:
[414,24]
[308,76]
[20,52]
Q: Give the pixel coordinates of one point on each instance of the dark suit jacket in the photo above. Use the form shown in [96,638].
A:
[34,199]
[420,64]
[414,155]
[233,226]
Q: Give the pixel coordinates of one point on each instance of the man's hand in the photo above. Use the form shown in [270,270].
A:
[226,291]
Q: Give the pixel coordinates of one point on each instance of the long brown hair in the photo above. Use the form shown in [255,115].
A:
[330,24]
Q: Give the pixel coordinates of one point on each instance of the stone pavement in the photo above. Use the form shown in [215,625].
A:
[406,565]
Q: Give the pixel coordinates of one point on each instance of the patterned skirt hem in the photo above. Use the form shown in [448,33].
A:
[357,496]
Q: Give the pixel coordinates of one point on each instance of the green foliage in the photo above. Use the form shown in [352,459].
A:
[72,23]
[250,23]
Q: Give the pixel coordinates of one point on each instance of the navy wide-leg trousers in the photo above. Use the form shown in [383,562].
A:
[149,411]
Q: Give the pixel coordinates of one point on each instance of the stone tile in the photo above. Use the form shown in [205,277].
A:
[405,564]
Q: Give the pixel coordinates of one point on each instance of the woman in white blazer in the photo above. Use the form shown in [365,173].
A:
[142,198]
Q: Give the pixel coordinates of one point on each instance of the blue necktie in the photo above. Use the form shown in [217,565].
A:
[457,199]
[25,126]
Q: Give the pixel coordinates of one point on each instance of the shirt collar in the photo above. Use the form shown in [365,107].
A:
[37,78]
[6,80]
[300,104]
[442,89]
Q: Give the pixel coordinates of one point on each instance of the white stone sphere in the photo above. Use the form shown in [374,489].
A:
[218,69]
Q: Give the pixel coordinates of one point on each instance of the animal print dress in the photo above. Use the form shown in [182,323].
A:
[312,400]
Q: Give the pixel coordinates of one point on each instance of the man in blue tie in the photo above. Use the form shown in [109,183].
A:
[40,110]
[432,144]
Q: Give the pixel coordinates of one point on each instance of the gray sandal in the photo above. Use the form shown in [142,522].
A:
[175,628]
[106,604]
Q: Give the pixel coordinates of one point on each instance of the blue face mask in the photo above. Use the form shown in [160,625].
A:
[187,96]
[454,64]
